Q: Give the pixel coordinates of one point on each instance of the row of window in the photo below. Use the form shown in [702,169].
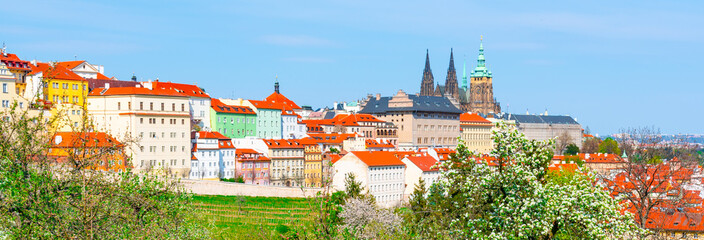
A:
[153,149]
[440,140]
[386,176]
[442,128]
[65,86]
[64,99]
[163,135]
[386,187]
[172,121]
[151,106]
[162,163]
[286,163]
[232,120]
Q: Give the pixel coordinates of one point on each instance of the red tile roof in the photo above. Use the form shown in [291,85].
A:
[102,77]
[219,106]
[70,64]
[14,63]
[186,89]
[331,137]
[370,143]
[89,139]
[135,91]
[208,135]
[283,143]
[279,98]
[568,167]
[55,72]
[266,104]
[225,143]
[472,118]
[425,163]
[378,158]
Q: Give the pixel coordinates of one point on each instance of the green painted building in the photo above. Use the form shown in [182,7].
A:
[232,121]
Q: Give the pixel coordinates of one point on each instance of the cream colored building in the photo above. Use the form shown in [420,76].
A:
[8,93]
[287,162]
[422,121]
[157,119]
[476,132]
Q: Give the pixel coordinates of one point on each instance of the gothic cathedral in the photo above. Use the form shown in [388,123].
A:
[479,98]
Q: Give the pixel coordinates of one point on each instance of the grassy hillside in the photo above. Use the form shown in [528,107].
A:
[252,216]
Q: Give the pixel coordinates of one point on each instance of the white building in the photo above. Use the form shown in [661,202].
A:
[381,173]
[419,167]
[213,156]
[85,69]
[157,118]
[8,95]
[291,127]
[199,102]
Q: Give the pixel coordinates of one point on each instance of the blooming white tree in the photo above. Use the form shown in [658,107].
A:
[509,195]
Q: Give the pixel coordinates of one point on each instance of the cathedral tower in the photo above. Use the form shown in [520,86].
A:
[427,87]
[482,91]
[451,88]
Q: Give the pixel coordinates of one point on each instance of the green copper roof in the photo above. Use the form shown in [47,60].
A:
[464,74]
[481,70]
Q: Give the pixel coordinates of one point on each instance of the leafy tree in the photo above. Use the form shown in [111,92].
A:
[591,145]
[42,198]
[571,149]
[515,198]
[610,146]
[352,186]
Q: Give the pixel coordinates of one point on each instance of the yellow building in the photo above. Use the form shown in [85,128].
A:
[313,161]
[65,91]
[475,132]
[60,85]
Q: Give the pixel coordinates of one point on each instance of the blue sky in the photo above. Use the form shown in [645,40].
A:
[610,64]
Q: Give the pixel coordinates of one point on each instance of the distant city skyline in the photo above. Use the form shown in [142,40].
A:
[611,65]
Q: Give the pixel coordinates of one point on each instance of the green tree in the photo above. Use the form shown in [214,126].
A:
[571,149]
[610,146]
[515,198]
[42,198]
[353,188]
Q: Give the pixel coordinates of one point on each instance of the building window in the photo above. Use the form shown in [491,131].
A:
[141,105]
[118,105]
[162,106]
[183,107]
[4,88]
[173,107]
[151,106]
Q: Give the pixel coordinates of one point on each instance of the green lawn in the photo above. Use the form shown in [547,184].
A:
[252,216]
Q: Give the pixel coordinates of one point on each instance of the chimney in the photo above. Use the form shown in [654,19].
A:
[148,85]
[378,96]
[107,85]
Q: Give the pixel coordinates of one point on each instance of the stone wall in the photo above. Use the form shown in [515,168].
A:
[240,189]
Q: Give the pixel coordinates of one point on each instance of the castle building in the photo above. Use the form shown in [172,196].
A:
[478,98]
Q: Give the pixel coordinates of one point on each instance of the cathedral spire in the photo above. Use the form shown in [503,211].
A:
[481,70]
[427,86]
[464,74]
[427,62]
[451,88]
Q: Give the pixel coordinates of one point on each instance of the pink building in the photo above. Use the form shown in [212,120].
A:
[253,166]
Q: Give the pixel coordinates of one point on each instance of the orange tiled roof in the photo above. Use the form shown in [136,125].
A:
[371,143]
[70,64]
[279,98]
[569,167]
[283,143]
[425,163]
[472,118]
[15,63]
[219,106]
[225,143]
[55,72]
[186,89]
[89,139]
[378,158]
[135,91]
[266,104]
[331,137]
[102,77]
[208,135]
